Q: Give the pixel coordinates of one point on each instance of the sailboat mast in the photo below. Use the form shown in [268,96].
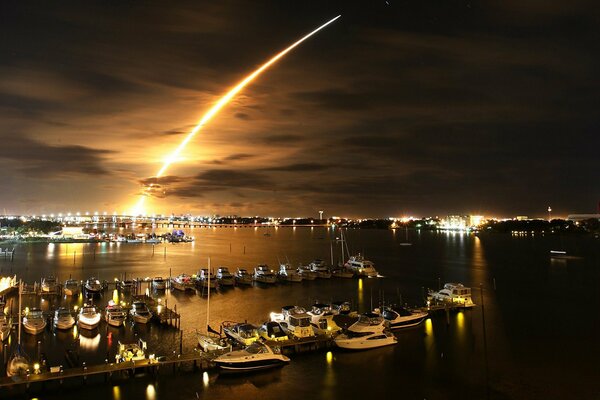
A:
[20,290]
[208,301]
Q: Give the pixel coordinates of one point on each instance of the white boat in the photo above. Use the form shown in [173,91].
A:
[182,282]
[320,268]
[63,319]
[158,283]
[71,287]
[289,274]
[273,331]
[341,308]
[5,324]
[154,240]
[453,293]
[19,362]
[206,279]
[361,267]
[295,321]
[49,285]
[115,315]
[224,277]
[263,274]
[369,332]
[209,343]
[34,322]
[140,312]
[306,273]
[257,356]
[88,317]
[242,277]
[93,285]
[321,319]
[242,333]
[400,317]
[131,352]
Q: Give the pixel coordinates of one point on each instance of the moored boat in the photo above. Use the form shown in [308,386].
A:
[114,315]
[369,332]
[242,277]
[321,319]
[49,285]
[182,282]
[306,273]
[88,318]
[263,274]
[158,283]
[272,330]
[400,317]
[295,321]
[5,325]
[320,268]
[93,285]
[34,322]
[140,312]
[361,266]
[242,333]
[257,356]
[453,293]
[288,273]
[224,277]
[206,279]
[63,319]
[71,287]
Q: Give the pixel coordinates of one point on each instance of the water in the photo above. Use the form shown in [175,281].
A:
[541,320]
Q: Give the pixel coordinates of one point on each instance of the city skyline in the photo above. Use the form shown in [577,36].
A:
[396,109]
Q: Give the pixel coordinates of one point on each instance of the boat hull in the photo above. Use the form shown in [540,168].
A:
[34,328]
[142,319]
[243,281]
[407,322]
[64,324]
[265,279]
[250,366]
[363,344]
[88,324]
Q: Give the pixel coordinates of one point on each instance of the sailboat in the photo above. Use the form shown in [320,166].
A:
[341,271]
[208,342]
[18,363]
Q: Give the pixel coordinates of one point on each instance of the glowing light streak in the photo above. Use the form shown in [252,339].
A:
[219,105]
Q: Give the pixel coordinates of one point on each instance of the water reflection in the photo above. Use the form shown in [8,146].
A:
[89,340]
[116,393]
[150,392]
[205,379]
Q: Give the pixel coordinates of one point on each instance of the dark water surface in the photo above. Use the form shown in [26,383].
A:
[542,319]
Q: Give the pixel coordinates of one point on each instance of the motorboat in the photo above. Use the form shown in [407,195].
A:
[288,273]
[71,287]
[209,343]
[115,315]
[158,283]
[273,331]
[342,272]
[126,285]
[453,293]
[242,333]
[5,324]
[242,277]
[49,285]
[306,273]
[88,318]
[321,319]
[361,267]
[263,274]
[206,279]
[257,356]
[369,332]
[224,277]
[34,322]
[320,268]
[140,312]
[341,308]
[63,319]
[295,321]
[93,285]
[182,282]
[18,364]
[153,240]
[131,352]
[400,317]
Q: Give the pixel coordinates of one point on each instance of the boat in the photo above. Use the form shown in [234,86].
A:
[224,277]
[158,283]
[182,282]
[342,272]
[114,314]
[321,319]
[369,332]
[341,308]
[131,352]
[400,317]
[306,273]
[288,273]
[242,277]
[126,285]
[361,267]
[63,319]
[206,279]
[140,312]
[93,285]
[242,333]
[153,240]
[295,321]
[453,293]
[263,274]
[257,356]
[212,340]
[88,317]
[34,322]
[320,268]
[71,287]
[19,362]
[272,330]
[49,285]
[5,324]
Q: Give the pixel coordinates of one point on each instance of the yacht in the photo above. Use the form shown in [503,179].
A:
[63,319]
[321,319]
[140,312]
[5,325]
[295,321]
[206,279]
[256,356]
[126,285]
[341,308]
[400,317]
[369,332]
[88,317]
[71,287]
[361,267]
[158,283]
[242,333]
[454,293]
[289,274]
[320,268]
[34,322]
[273,331]
[306,273]
[263,274]
[342,272]
[224,277]
[93,285]
[242,277]
[49,285]
[115,315]
[182,282]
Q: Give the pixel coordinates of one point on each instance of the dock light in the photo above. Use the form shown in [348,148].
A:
[159,309]
[26,310]
[75,308]
[36,368]
[329,357]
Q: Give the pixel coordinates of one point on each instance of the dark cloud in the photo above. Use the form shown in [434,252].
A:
[242,116]
[239,156]
[299,167]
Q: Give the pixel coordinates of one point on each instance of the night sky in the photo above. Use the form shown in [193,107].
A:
[398,108]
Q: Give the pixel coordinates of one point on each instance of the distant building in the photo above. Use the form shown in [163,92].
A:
[522,218]
[582,217]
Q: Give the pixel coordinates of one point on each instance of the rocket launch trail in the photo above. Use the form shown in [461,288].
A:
[218,106]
